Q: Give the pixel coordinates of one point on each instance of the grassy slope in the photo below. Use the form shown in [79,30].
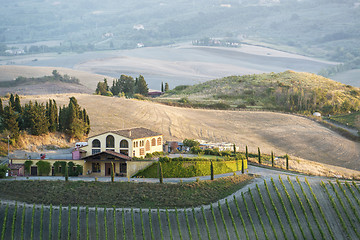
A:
[271,91]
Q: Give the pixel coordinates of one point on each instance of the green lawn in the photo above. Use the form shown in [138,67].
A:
[122,194]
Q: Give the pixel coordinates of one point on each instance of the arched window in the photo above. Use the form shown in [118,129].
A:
[124,144]
[147,145]
[110,141]
[96,143]
[159,141]
[153,142]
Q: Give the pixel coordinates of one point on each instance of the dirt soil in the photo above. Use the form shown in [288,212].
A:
[278,132]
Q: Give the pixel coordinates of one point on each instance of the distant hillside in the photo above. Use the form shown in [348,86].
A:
[286,91]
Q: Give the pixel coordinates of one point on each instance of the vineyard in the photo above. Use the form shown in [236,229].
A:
[275,208]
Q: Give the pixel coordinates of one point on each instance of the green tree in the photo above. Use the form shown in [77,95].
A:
[212,170]
[1,108]
[161,177]
[27,166]
[166,87]
[141,86]
[52,115]
[39,123]
[259,155]
[162,87]
[191,143]
[10,122]
[17,106]
[272,158]
[102,88]
[3,170]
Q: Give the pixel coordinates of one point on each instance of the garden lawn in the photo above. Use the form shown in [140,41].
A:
[122,194]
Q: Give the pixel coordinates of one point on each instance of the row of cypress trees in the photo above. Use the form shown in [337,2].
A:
[38,119]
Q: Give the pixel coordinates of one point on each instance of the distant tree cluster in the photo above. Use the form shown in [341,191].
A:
[125,85]
[38,119]
[216,42]
[166,88]
[55,77]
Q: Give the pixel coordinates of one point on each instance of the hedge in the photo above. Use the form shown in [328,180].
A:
[190,167]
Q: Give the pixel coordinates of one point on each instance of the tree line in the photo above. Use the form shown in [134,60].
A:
[126,86]
[38,118]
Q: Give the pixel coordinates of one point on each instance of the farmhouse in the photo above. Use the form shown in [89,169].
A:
[119,147]
[123,149]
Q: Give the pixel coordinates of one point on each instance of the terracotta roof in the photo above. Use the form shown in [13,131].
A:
[133,133]
[112,153]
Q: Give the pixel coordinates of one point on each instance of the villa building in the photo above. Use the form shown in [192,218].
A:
[122,149]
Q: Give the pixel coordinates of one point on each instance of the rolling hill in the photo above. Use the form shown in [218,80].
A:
[287,91]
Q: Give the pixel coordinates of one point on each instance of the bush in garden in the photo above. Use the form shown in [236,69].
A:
[44,168]
[27,166]
[3,170]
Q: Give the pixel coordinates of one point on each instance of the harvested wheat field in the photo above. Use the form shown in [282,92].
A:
[281,133]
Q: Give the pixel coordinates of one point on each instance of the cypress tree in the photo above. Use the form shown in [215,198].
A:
[1,108]
[112,172]
[242,166]
[17,106]
[259,155]
[10,122]
[161,177]
[166,87]
[212,170]
[246,153]
[287,161]
[12,100]
[272,158]
[234,147]
[39,123]
[66,172]
[162,86]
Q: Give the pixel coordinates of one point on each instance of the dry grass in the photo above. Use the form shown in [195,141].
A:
[281,133]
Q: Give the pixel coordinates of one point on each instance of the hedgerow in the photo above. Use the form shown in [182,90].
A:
[191,167]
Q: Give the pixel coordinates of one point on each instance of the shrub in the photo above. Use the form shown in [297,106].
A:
[27,166]
[44,168]
[3,170]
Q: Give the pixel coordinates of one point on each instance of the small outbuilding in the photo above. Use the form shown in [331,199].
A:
[317,114]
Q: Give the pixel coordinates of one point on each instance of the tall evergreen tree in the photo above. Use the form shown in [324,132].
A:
[166,87]
[162,86]
[39,123]
[52,115]
[12,100]
[1,108]
[17,106]
[141,86]
[10,122]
